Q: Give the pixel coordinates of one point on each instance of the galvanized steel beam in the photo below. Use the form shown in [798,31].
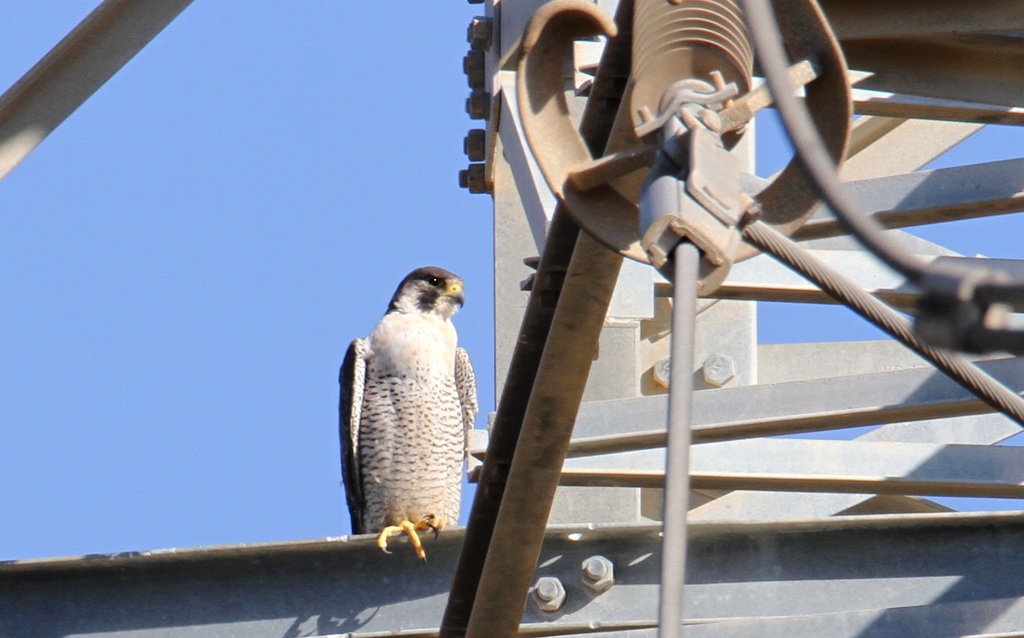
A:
[764,279]
[928,197]
[973,68]
[897,105]
[801,465]
[786,408]
[907,147]
[873,19]
[750,505]
[736,574]
[76,68]
[1000,618]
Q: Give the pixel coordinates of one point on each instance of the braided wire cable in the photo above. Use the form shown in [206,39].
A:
[810,149]
[840,288]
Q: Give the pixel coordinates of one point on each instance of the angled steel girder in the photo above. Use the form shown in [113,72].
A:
[739,576]
[764,279]
[882,146]
[801,465]
[928,197]
[788,407]
[942,49]
[76,68]
[872,19]
[886,103]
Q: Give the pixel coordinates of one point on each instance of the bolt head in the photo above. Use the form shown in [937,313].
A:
[598,573]
[475,145]
[718,369]
[474,65]
[480,32]
[549,593]
[662,371]
[474,178]
[478,105]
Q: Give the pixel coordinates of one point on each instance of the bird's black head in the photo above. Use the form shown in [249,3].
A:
[429,289]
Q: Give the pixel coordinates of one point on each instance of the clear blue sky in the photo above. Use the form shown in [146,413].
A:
[184,261]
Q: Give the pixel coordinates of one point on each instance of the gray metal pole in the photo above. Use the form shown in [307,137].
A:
[677,461]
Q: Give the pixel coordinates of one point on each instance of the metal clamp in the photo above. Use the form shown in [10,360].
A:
[692,193]
[950,313]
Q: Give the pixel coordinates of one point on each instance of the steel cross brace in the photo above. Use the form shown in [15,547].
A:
[76,68]
[538,406]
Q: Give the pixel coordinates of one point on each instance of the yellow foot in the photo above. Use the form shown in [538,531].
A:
[409,528]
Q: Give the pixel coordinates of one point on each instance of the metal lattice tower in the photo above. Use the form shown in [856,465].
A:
[784,536]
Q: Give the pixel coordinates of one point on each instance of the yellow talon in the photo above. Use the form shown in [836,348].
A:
[408,528]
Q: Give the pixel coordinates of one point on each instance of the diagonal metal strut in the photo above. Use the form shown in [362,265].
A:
[76,68]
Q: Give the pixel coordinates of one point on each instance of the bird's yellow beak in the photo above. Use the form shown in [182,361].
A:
[454,290]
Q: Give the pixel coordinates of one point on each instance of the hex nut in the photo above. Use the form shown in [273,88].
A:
[475,145]
[480,32]
[474,178]
[549,593]
[718,369]
[478,105]
[474,65]
[598,573]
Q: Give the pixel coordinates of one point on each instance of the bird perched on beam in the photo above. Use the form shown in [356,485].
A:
[408,401]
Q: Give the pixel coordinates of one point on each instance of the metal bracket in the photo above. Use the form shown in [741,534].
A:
[951,314]
[696,197]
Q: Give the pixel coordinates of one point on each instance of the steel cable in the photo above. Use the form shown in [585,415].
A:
[822,170]
[811,151]
[863,303]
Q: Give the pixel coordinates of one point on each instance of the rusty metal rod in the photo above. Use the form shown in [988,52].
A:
[533,335]
[544,440]
[471,601]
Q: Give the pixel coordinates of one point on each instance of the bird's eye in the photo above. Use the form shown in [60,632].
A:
[434,281]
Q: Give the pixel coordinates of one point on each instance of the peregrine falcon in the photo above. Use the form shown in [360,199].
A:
[408,401]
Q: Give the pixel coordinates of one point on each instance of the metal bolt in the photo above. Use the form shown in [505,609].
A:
[662,370]
[598,573]
[478,105]
[480,32]
[549,593]
[474,65]
[475,145]
[474,178]
[718,369]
